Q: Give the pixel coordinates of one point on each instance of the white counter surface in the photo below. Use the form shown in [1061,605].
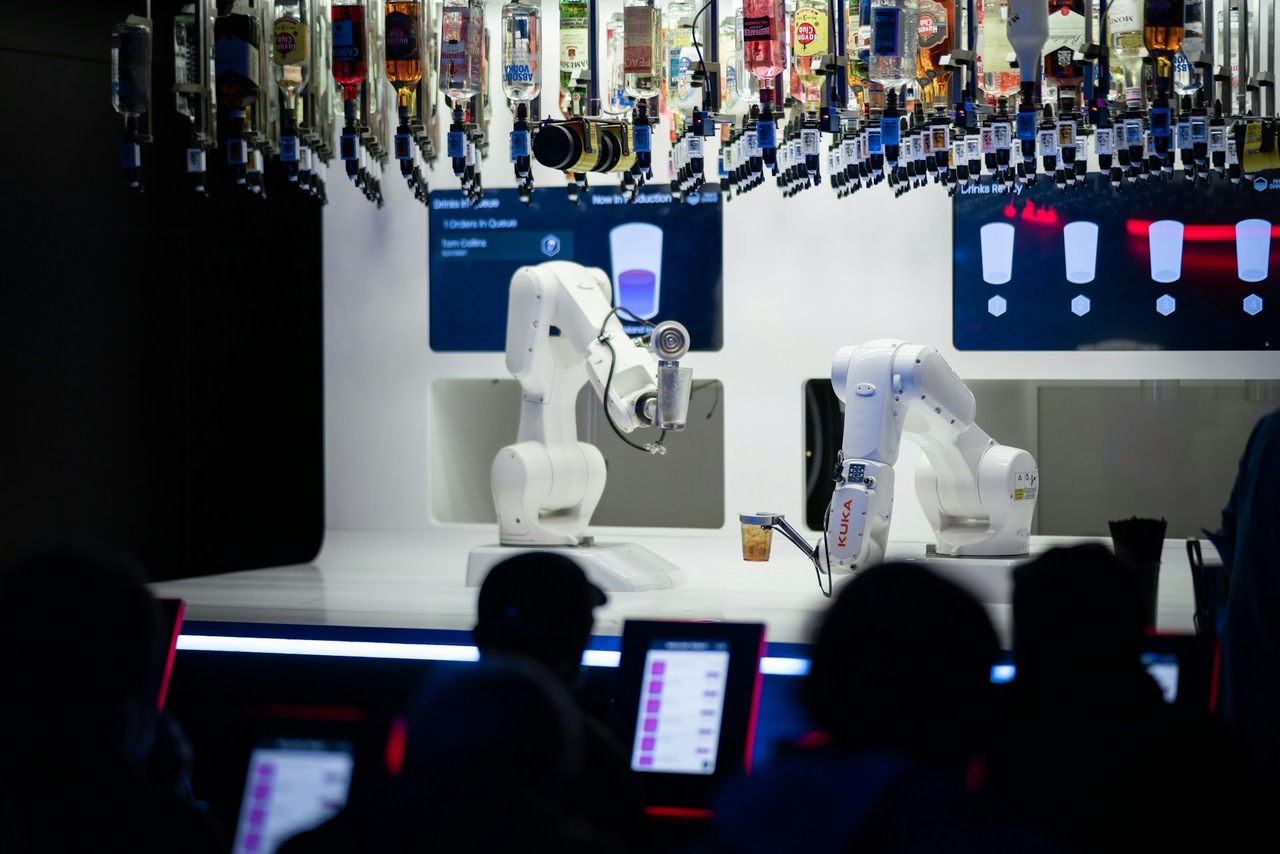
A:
[379,579]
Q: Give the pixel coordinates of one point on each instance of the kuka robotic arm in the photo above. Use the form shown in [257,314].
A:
[978,496]
[547,485]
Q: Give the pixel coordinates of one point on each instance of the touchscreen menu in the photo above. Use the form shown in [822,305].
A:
[681,707]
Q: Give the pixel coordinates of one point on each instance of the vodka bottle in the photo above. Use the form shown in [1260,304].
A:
[1186,76]
[521,51]
[999,79]
[1126,46]
[642,49]
[575,42]
[461,49]
[810,27]
[895,42]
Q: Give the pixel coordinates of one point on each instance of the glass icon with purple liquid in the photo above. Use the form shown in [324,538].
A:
[635,252]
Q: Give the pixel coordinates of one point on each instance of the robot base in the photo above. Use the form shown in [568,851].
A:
[988,578]
[613,567]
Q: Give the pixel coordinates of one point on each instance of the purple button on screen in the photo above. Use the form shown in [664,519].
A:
[655,687]
[652,706]
[646,760]
[659,668]
[650,724]
[647,743]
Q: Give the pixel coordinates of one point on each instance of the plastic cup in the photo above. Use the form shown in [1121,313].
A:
[1164,238]
[1080,239]
[635,251]
[756,540]
[1253,249]
[997,253]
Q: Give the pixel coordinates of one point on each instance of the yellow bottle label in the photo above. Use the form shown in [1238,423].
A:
[809,32]
[288,42]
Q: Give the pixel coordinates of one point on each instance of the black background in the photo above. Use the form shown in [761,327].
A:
[161,355]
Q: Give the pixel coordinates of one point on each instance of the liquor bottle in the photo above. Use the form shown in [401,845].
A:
[521,51]
[1187,78]
[1124,24]
[810,27]
[1065,42]
[461,49]
[575,42]
[677,22]
[764,47]
[290,65]
[131,67]
[1028,30]
[1163,31]
[238,75]
[616,102]
[642,49]
[727,45]
[748,85]
[403,43]
[858,39]
[350,48]
[186,63]
[895,42]
[934,35]
[237,37]
[999,79]
[131,89]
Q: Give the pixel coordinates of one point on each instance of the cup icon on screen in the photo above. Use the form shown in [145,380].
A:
[1164,237]
[1080,239]
[997,253]
[635,251]
[1253,249]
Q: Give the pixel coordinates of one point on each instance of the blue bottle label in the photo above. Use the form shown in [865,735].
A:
[766,135]
[519,144]
[456,145]
[640,138]
[890,131]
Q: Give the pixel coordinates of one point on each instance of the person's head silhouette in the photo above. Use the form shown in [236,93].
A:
[1077,613]
[80,647]
[902,661]
[538,604]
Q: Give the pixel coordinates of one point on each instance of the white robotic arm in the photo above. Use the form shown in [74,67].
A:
[547,485]
[978,496]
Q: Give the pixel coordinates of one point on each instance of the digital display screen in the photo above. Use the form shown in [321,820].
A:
[664,258]
[681,707]
[292,785]
[1160,265]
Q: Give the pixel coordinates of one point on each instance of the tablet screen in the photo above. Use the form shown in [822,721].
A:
[292,785]
[681,706]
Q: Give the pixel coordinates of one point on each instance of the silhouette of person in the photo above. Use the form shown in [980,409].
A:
[1249,544]
[1087,750]
[899,690]
[490,750]
[541,605]
[81,655]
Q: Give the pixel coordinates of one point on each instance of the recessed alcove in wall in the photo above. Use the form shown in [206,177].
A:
[1105,450]
[470,420]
